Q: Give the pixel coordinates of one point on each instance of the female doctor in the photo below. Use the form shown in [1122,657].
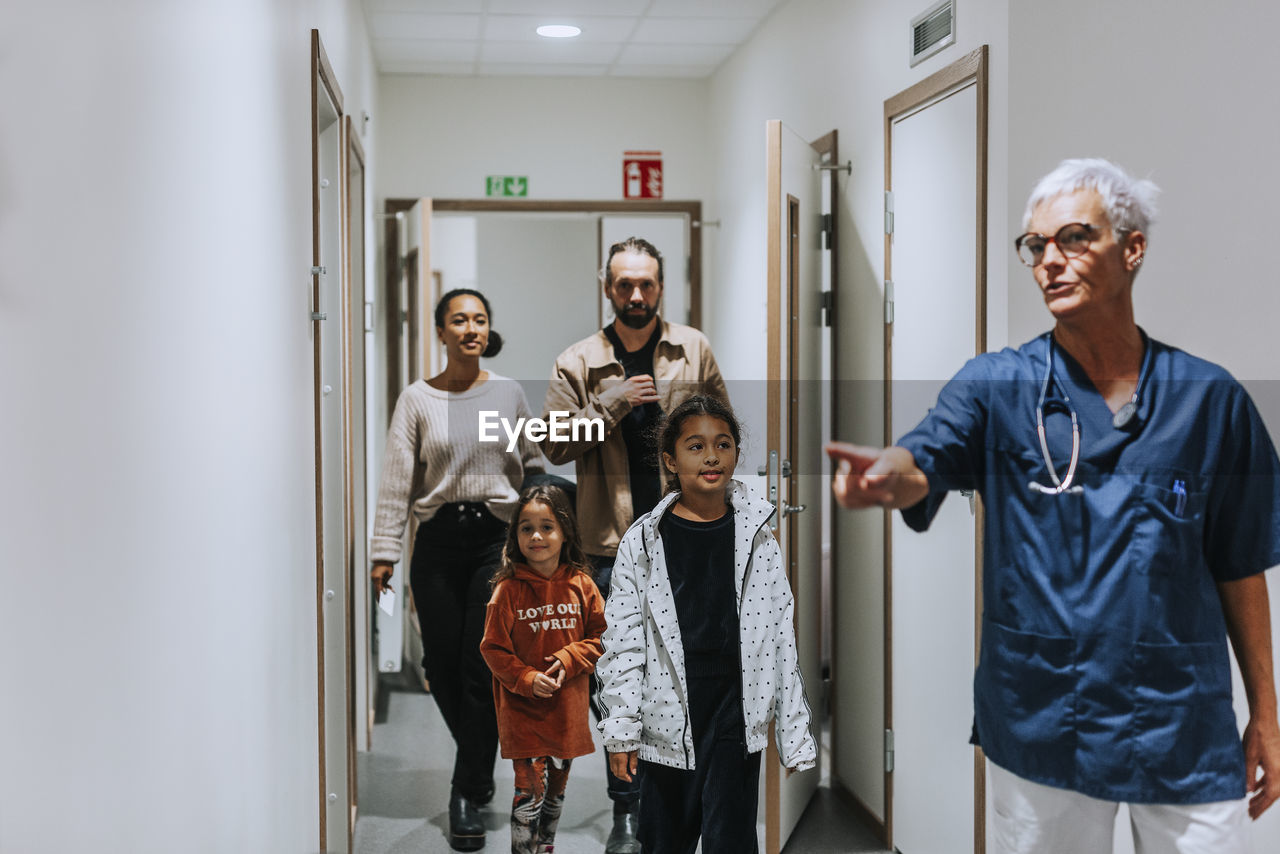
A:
[1133,503]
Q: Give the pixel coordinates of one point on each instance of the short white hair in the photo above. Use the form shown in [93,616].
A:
[1130,203]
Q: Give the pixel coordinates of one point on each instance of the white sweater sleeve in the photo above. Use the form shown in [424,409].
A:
[399,471]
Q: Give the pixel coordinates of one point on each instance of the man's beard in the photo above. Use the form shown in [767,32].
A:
[634,320]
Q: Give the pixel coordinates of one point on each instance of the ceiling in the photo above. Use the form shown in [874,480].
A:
[620,38]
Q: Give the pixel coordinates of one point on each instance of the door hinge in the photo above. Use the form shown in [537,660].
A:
[824,229]
[368,316]
[888,212]
[888,751]
[888,300]
[770,470]
[318,271]
[827,307]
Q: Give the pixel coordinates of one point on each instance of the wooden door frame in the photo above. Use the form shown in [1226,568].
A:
[791,235]
[970,68]
[324,84]
[392,306]
[354,337]
[773,430]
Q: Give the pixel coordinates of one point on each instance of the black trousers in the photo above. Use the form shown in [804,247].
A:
[454,555]
[718,799]
[622,793]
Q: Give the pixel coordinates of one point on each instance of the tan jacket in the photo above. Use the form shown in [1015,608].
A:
[587,382]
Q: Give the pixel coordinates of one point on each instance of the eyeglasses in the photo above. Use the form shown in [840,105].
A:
[1072,240]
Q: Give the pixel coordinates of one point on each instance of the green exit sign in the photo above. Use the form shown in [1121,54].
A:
[506,185]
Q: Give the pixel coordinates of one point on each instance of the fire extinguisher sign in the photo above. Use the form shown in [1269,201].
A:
[642,174]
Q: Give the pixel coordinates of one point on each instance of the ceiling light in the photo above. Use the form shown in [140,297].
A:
[559,31]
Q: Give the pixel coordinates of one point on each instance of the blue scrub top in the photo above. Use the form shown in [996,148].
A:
[1104,665]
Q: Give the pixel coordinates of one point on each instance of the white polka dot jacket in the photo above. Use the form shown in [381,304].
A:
[644,698]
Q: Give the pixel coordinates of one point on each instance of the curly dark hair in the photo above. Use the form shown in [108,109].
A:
[670,426]
[571,552]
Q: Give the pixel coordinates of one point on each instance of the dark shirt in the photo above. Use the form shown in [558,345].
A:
[639,424]
[699,557]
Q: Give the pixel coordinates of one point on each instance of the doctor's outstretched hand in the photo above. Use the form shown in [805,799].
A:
[875,477]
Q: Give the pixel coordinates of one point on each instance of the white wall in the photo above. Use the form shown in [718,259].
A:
[158,629]
[819,65]
[1187,99]
[539,273]
[442,135]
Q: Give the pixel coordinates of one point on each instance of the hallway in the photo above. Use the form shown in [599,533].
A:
[158,338]
[404,791]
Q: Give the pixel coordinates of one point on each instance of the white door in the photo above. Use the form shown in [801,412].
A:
[933,270]
[332,600]
[795,428]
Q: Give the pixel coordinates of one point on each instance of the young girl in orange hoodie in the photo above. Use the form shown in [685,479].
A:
[541,640]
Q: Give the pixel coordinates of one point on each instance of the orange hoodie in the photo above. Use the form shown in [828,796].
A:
[530,617]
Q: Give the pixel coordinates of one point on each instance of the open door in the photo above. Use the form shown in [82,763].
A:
[412,354]
[935,320]
[794,467]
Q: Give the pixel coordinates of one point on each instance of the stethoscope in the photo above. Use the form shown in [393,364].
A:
[1119,420]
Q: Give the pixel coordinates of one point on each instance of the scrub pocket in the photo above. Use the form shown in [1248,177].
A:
[1185,724]
[1173,526]
[1024,701]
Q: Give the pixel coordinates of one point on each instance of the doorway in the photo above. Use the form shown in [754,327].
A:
[935,192]
[537,262]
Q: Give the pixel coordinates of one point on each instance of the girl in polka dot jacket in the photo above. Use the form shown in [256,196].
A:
[699,653]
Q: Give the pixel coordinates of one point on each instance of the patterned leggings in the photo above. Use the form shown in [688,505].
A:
[535,810]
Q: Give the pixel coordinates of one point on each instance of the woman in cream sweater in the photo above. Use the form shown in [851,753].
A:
[462,493]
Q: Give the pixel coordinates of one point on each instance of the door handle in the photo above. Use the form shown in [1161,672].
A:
[788,509]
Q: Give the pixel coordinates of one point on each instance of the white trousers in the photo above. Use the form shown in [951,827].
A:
[1030,818]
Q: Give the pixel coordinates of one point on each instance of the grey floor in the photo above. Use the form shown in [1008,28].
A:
[404,794]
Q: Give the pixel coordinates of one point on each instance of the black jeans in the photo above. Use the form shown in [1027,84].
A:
[621,792]
[718,799]
[454,555]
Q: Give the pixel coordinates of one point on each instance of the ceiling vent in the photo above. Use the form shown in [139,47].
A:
[933,30]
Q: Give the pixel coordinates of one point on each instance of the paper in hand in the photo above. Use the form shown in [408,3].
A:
[387,602]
